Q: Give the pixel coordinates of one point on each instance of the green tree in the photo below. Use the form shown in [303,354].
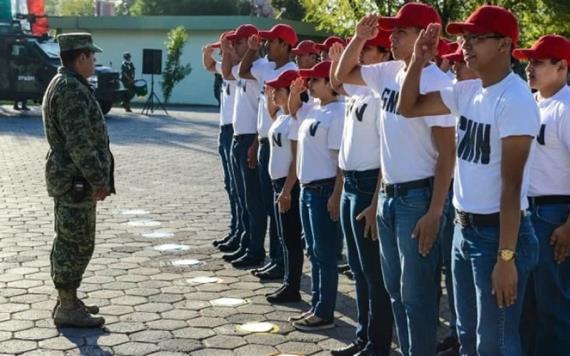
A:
[536,17]
[174,72]
[76,8]
[189,7]
[52,7]
[294,9]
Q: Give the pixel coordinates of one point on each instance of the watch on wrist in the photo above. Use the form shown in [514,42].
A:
[506,255]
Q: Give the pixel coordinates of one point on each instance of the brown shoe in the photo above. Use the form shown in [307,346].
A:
[92,309]
[71,312]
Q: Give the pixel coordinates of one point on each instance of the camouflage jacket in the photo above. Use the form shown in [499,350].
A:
[77,135]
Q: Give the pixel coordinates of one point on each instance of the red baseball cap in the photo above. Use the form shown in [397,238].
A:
[305,47]
[547,47]
[381,40]
[284,80]
[218,43]
[456,56]
[445,47]
[281,31]
[413,14]
[243,31]
[327,44]
[320,70]
[488,19]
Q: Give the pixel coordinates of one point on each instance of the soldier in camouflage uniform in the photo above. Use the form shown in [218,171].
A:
[79,172]
[128,79]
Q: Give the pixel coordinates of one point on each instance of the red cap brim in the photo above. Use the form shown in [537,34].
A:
[298,52]
[389,23]
[525,54]
[216,44]
[457,28]
[267,35]
[454,57]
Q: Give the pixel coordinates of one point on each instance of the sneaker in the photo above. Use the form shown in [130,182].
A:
[313,323]
[285,296]
[301,316]
[343,268]
[447,343]
[348,350]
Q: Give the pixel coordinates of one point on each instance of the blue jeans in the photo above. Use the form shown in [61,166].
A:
[447,232]
[252,242]
[411,279]
[322,236]
[290,233]
[374,311]
[239,187]
[549,288]
[225,151]
[275,247]
[483,328]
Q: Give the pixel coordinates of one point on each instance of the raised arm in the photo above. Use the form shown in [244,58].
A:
[411,103]
[295,102]
[228,60]
[272,108]
[335,52]
[254,43]
[208,61]
[348,70]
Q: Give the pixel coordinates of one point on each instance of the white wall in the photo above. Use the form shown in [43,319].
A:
[196,89]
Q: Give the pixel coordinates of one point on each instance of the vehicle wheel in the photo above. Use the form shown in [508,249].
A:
[105,106]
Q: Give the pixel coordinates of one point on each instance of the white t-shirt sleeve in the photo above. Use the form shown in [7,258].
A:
[449,99]
[433,79]
[350,89]
[294,129]
[516,117]
[335,133]
[259,69]
[372,75]
[304,111]
[235,71]
[218,67]
[564,127]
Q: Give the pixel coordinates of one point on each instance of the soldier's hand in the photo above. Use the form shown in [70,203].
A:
[101,194]
[367,28]
[208,50]
[335,52]
[254,42]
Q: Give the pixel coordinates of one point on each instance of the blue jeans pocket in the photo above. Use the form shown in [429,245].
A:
[417,198]
[366,185]
[552,214]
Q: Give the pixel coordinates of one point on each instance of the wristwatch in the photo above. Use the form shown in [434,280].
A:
[506,255]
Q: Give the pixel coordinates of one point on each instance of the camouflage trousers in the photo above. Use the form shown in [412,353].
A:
[74,241]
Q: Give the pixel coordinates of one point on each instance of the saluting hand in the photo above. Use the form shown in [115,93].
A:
[254,42]
[367,27]
[335,52]
[208,50]
[426,45]
[298,86]
[560,240]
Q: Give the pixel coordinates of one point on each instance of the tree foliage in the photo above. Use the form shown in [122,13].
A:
[189,7]
[174,71]
[76,8]
[536,17]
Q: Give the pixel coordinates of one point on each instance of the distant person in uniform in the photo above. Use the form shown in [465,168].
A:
[23,107]
[128,79]
[79,173]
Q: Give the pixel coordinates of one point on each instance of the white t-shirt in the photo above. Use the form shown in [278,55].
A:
[320,133]
[227,98]
[281,133]
[246,103]
[486,116]
[264,72]
[550,171]
[407,149]
[360,145]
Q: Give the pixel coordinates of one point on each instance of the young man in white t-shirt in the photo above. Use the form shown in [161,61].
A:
[359,159]
[547,312]
[417,159]
[245,135]
[495,247]
[278,41]
[227,102]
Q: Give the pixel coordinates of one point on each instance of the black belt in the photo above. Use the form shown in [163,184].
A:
[319,182]
[226,126]
[371,173]
[549,199]
[242,136]
[478,220]
[401,189]
[264,141]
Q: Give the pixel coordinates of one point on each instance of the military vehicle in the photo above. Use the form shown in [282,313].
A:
[28,63]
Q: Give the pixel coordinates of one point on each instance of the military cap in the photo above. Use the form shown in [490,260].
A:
[73,41]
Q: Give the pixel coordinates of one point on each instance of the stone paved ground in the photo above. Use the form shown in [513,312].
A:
[168,181]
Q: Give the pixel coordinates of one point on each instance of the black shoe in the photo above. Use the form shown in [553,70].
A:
[270,274]
[216,243]
[247,262]
[25,108]
[447,343]
[285,296]
[348,350]
[15,107]
[230,257]
[343,268]
[262,269]
[452,351]
[349,275]
[277,291]
[229,246]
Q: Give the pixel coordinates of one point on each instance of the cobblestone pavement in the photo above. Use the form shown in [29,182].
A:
[170,192]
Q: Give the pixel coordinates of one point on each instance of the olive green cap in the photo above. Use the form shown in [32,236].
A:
[73,41]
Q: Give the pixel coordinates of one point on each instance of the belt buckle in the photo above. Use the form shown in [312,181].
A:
[463,219]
